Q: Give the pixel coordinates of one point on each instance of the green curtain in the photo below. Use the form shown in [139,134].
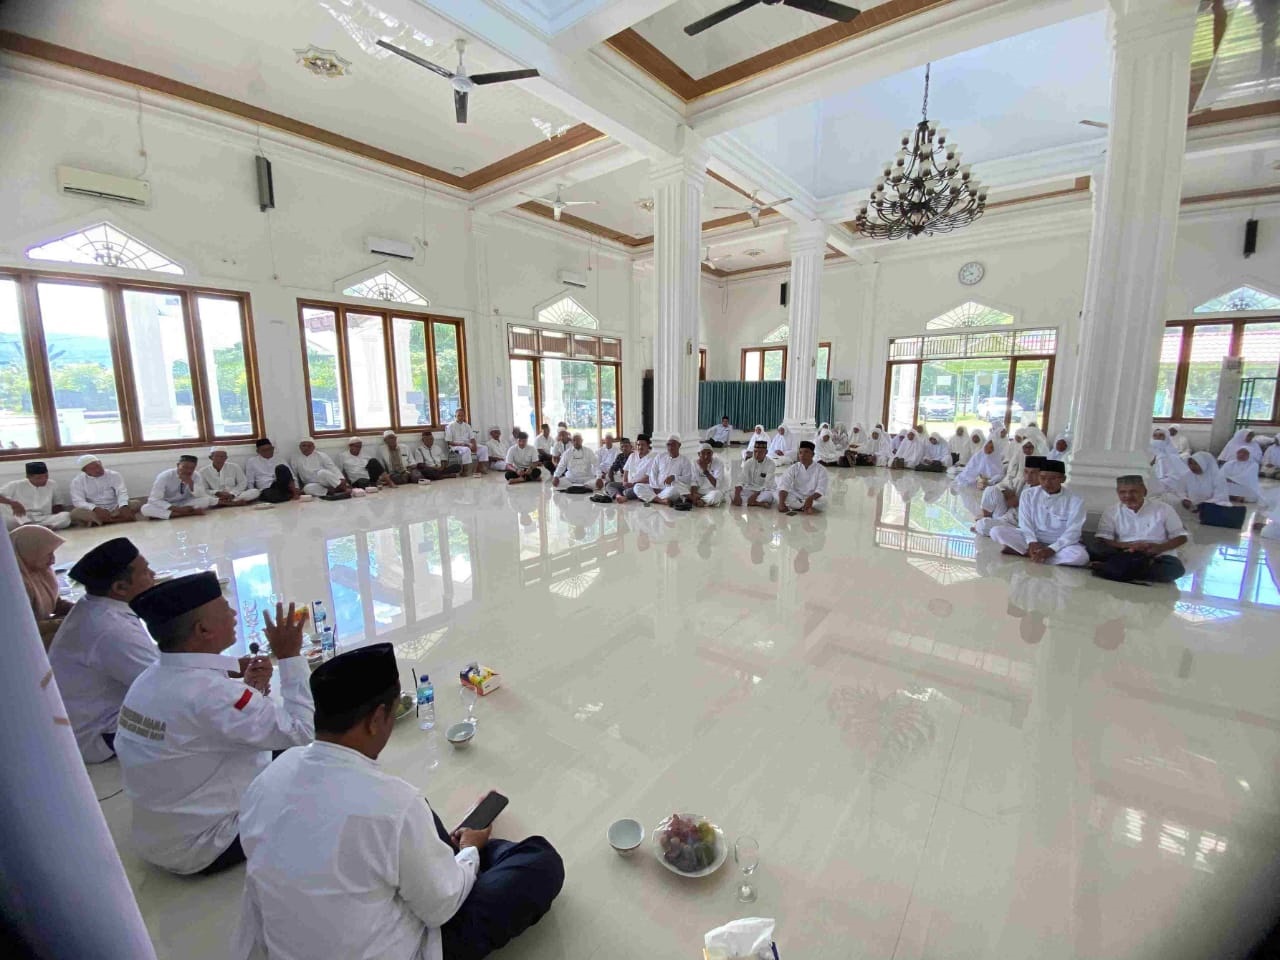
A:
[763,402]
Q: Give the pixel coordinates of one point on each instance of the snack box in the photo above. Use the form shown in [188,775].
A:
[484,679]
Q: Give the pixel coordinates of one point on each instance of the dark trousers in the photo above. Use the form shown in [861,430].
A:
[955,458]
[717,444]
[534,474]
[515,887]
[278,492]
[546,459]
[227,858]
[1125,567]
[932,466]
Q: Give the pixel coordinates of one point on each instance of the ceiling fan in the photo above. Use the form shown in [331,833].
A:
[557,205]
[1094,123]
[823,8]
[708,260]
[756,207]
[462,83]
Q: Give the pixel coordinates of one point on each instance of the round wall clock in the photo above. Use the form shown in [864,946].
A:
[972,273]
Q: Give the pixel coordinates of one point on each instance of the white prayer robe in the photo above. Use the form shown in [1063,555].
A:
[1242,480]
[170,491]
[604,459]
[38,503]
[826,449]
[993,502]
[1153,522]
[191,740]
[317,473]
[910,451]
[857,438]
[353,466]
[577,468]
[799,482]
[543,444]
[982,466]
[521,458]
[1054,520]
[637,468]
[231,479]
[712,483]
[1235,443]
[1207,486]
[780,447]
[757,434]
[387,457]
[960,446]
[343,860]
[1180,443]
[495,452]
[107,491]
[678,468]
[757,477]
[458,435]
[936,451]
[261,472]
[882,448]
[97,653]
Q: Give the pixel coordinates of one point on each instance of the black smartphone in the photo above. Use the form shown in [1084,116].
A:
[485,813]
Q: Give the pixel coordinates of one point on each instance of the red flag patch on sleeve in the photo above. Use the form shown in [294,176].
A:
[244,699]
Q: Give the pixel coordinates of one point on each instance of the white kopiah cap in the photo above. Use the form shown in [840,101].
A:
[213,450]
[351,440]
[388,433]
[87,459]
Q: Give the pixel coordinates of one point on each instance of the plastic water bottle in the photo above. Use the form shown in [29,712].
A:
[426,703]
[319,617]
[328,643]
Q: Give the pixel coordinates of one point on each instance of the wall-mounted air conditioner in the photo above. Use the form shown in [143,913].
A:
[844,388]
[390,248]
[571,279]
[103,186]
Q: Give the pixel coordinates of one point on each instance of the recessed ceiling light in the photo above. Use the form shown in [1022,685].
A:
[326,64]
[458,171]
[753,252]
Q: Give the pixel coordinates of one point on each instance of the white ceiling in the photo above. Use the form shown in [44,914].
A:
[768,245]
[1016,96]
[244,49]
[1221,173]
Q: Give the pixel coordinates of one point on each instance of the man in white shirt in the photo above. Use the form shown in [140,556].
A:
[317,473]
[709,479]
[346,860]
[102,646]
[605,456]
[33,500]
[802,488]
[99,495]
[577,468]
[270,474]
[756,479]
[609,475]
[496,450]
[635,470]
[1138,538]
[1049,522]
[174,493]
[428,461]
[718,436]
[225,481]
[394,460]
[544,444]
[462,441]
[522,461]
[670,477]
[362,472]
[563,442]
[190,738]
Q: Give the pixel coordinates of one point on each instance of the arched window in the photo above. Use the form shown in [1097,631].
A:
[104,245]
[567,312]
[970,314]
[781,335]
[1239,300]
[389,287]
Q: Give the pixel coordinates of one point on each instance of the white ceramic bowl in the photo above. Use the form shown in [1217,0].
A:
[625,836]
[460,734]
[721,849]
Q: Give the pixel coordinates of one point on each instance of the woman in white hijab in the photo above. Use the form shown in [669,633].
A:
[1241,474]
[909,453]
[936,455]
[1271,460]
[1179,441]
[1165,462]
[881,448]
[984,467]
[1036,436]
[826,452]
[977,440]
[1061,448]
[1015,469]
[959,446]
[1202,483]
[1242,439]
[840,436]
[780,445]
[756,434]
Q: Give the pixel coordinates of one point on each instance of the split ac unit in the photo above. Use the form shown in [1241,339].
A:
[571,279]
[390,248]
[103,186]
[844,388]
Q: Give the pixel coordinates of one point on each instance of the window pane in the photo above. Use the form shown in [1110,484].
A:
[78,346]
[1209,344]
[1167,372]
[1030,384]
[902,397]
[609,399]
[522,397]
[321,331]
[367,357]
[1260,348]
[226,369]
[448,370]
[412,383]
[751,365]
[773,365]
[18,425]
[161,365]
[569,394]
[824,362]
[968,393]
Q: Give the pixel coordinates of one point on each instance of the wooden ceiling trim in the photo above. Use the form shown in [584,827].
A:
[655,63]
[572,139]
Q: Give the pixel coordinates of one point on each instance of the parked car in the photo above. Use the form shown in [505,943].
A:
[994,408]
[939,407]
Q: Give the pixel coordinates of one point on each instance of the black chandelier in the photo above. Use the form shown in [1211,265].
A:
[924,188]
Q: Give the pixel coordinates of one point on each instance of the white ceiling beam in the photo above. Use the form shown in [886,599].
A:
[1255,133]
[590,162]
[942,32]
[602,22]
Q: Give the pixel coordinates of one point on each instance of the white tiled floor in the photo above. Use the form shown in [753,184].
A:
[943,752]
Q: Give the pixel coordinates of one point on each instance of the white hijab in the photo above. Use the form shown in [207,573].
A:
[1055,453]
[1243,476]
[1207,486]
[1228,453]
[858,436]
[1165,461]
[936,449]
[911,450]
[1036,436]
[981,464]
[1015,472]
[780,445]
[881,447]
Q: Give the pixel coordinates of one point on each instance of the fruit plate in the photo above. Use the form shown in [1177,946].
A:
[405,706]
[721,849]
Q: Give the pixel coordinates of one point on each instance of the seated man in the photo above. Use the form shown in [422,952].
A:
[1138,538]
[270,474]
[225,481]
[428,462]
[718,436]
[563,442]
[709,479]
[802,488]
[1000,502]
[635,471]
[317,473]
[362,472]
[544,444]
[609,470]
[190,738]
[1049,522]
[605,456]
[496,450]
[461,439]
[577,468]
[102,647]
[99,495]
[174,493]
[756,479]
[670,477]
[33,500]
[395,462]
[522,461]
[346,860]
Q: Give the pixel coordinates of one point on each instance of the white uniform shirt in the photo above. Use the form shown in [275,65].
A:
[801,481]
[231,479]
[387,457]
[637,467]
[604,459]
[190,740]
[521,458]
[717,481]
[1154,522]
[261,472]
[459,433]
[559,448]
[99,650]
[666,465]
[1052,519]
[344,861]
[578,466]
[543,444]
[427,456]
[354,466]
[307,469]
[38,501]
[497,449]
[757,475]
[721,433]
[107,491]
[171,490]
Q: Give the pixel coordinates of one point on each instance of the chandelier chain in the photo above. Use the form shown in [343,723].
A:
[924,110]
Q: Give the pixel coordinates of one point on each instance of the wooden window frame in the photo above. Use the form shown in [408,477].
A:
[1013,361]
[40,374]
[742,364]
[830,354]
[388,315]
[536,358]
[1183,371]
[702,364]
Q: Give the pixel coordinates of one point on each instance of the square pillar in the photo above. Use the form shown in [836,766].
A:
[808,242]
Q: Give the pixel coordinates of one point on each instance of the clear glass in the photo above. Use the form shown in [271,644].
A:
[969,393]
[522,398]
[321,331]
[1167,372]
[1209,344]
[774,367]
[902,397]
[18,425]
[746,854]
[467,696]
[367,360]
[1260,348]
[824,362]
[569,393]
[226,368]
[751,362]
[157,326]
[448,371]
[413,384]
[1030,388]
[78,346]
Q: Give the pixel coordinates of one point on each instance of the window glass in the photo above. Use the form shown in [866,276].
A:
[413,388]
[1209,344]
[226,366]
[1260,348]
[448,370]
[78,348]
[902,397]
[751,365]
[1167,371]
[773,365]
[162,382]
[320,328]
[18,425]
[609,399]
[824,361]
[367,358]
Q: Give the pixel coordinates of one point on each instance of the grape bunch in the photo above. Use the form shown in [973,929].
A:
[689,845]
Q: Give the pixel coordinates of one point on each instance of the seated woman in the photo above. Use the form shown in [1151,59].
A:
[936,457]
[840,437]
[1060,449]
[959,447]
[909,452]
[34,547]
[1241,475]
[853,442]
[877,451]
[1202,483]
[1243,440]
[756,434]
[1271,460]
[827,452]
[983,469]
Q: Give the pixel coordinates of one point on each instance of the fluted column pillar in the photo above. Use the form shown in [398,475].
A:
[1131,247]
[808,243]
[677,231]
[490,401]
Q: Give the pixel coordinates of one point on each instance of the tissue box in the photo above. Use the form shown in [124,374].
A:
[483,678]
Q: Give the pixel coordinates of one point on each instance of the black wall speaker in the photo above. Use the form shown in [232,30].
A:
[783,296]
[1250,238]
[266,189]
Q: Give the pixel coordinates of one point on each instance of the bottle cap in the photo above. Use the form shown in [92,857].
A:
[425,678]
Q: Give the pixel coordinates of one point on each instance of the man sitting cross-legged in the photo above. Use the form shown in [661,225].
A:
[318,474]
[609,472]
[270,474]
[803,485]
[576,471]
[522,461]
[1049,522]
[225,480]
[709,480]
[394,459]
[33,499]
[669,478]
[428,461]
[346,860]
[177,493]
[361,471]
[756,479]
[1138,538]
[635,471]
[98,495]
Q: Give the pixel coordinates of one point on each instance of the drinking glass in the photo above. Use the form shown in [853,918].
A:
[468,695]
[202,550]
[183,539]
[746,854]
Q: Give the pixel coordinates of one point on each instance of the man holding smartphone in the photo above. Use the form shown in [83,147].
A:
[345,860]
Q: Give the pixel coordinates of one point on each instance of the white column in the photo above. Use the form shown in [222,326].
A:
[677,231]
[1131,248]
[868,388]
[486,338]
[804,306]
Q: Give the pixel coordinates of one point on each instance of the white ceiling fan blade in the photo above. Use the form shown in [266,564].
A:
[739,209]
[778,203]
[579,203]
[542,200]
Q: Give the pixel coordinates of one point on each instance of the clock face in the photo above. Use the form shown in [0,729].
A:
[971,273]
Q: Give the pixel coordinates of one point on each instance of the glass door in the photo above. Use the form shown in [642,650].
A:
[571,392]
[1031,393]
[902,397]
[524,396]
